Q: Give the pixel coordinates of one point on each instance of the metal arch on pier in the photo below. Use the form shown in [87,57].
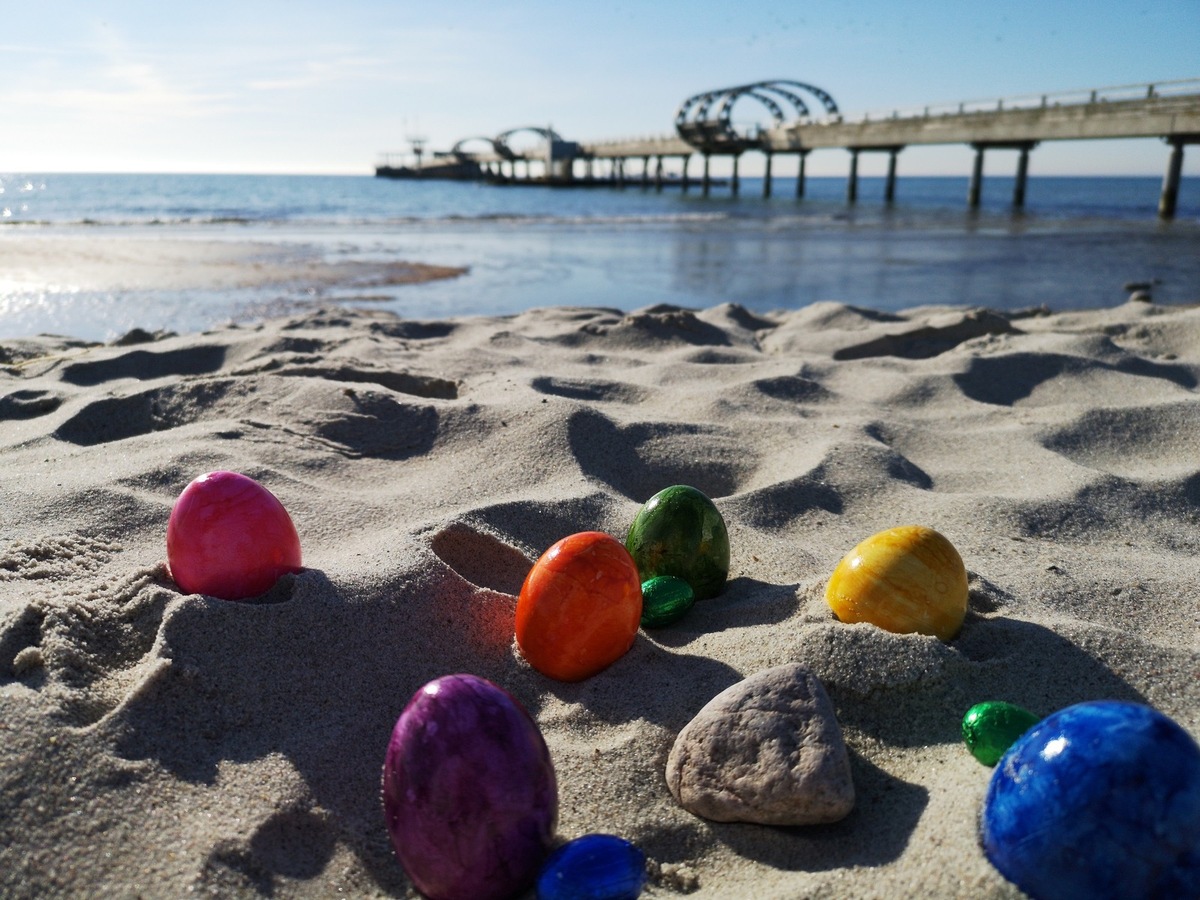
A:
[696,124]
[498,148]
[501,140]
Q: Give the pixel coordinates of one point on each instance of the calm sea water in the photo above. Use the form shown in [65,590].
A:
[1076,244]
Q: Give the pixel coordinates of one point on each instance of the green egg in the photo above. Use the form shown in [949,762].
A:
[665,599]
[680,532]
[991,727]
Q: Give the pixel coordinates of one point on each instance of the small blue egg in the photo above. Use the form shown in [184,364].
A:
[1099,800]
[593,867]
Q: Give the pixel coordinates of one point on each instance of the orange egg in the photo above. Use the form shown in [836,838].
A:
[580,607]
[906,579]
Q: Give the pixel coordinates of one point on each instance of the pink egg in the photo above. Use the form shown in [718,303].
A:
[229,537]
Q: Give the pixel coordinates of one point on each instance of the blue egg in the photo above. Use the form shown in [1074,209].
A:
[1099,800]
[593,867]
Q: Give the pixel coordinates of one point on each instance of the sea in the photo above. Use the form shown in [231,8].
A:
[1078,242]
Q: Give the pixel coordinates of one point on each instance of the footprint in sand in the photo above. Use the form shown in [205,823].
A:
[158,409]
[428,386]
[638,460]
[28,404]
[482,559]
[590,390]
[145,365]
[87,642]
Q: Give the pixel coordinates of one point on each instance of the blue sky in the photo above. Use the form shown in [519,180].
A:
[301,86]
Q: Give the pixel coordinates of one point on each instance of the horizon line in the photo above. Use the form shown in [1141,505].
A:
[631,180]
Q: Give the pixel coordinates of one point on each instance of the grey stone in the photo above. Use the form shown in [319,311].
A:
[767,750]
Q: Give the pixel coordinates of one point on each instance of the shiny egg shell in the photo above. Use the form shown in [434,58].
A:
[593,867]
[680,532]
[991,727]
[469,791]
[904,580]
[229,537]
[1101,799]
[665,599]
[579,607]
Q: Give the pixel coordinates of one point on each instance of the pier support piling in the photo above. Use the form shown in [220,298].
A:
[800,174]
[645,172]
[1022,176]
[767,176]
[683,175]
[889,190]
[706,184]
[733,185]
[658,174]
[1170,189]
[975,188]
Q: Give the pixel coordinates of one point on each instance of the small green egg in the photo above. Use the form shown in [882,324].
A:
[665,599]
[680,532]
[991,727]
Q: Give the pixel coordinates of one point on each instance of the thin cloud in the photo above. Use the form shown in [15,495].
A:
[120,104]
[123,92]
[315,73]
[421,56]
[33,50]
[106,80]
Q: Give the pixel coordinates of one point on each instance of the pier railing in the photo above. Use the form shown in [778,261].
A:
[1150,91]
[1118,111]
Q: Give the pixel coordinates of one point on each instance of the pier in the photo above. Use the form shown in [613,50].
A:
[805,119]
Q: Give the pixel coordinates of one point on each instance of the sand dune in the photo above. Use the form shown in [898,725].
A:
[157,744]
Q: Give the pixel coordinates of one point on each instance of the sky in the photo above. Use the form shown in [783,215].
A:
[308,87]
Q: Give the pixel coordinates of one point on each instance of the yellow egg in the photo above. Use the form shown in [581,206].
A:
[904,579]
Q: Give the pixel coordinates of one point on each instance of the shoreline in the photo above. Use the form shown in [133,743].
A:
[620,248]
[166,743]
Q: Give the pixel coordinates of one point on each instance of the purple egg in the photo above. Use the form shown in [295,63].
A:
[469,791]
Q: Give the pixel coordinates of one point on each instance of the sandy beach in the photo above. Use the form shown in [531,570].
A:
[157,744]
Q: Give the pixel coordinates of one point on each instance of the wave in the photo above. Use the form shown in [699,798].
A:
[368,222]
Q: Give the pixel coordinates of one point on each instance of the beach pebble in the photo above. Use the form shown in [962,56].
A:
[593,867]
[665,599]
[680,532]
[229,537]
[904,580]
[580,607]
[768,750]
[991,727]
[1099,800]
[469,791]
